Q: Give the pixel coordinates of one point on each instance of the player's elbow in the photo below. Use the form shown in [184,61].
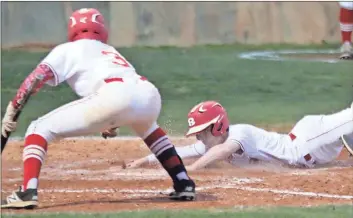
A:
[224,153]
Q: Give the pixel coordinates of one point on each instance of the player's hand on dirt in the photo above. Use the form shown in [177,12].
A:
[110,133]
[8,125]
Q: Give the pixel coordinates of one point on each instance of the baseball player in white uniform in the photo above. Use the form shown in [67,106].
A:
[112,95]
[346,26]
[315,139]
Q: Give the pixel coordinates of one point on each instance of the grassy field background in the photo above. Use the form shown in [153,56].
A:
[345,211]
[253,91]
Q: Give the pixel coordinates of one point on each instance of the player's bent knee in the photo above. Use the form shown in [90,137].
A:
[346,5]
[38,128]
[144,130]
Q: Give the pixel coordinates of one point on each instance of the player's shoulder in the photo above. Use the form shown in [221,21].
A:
[237,133]
[62,48]
[70,49]
[78,44]
[240,128]
[91,43]
[241,131]
[58,53]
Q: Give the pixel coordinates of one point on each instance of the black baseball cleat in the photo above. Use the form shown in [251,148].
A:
[21,200]
[348,142]
[184,190]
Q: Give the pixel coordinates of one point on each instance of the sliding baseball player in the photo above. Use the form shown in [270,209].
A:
[315,139]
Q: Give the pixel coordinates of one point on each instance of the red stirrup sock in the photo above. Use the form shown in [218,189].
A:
[34,153]
[346,24]
[159,143]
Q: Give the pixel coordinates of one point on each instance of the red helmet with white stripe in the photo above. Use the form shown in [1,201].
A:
[205,114]
[87,23]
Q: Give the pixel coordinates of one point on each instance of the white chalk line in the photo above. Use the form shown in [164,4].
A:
[290,192]
[275,55]
[220,186]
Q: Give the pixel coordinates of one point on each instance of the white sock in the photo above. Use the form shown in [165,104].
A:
[32,183]
[182,176]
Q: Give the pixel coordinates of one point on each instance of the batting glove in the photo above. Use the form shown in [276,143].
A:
[110,133]
[8,125]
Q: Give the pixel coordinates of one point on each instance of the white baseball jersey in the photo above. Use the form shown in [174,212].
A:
[126,100]
[316,135]
[84,64]
[259,144]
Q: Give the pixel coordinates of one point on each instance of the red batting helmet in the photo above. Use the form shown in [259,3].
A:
[205,114]
[87,23]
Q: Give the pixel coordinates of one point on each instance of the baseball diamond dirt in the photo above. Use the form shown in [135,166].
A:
[86,175]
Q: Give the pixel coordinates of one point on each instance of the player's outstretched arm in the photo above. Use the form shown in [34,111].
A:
[43,73]
[189,151]
[218,152]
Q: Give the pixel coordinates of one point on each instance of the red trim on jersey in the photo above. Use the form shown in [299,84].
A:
[43,72]
[114,80]
[292,136]
[117,79]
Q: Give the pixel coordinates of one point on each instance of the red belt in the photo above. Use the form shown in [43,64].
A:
[292,137]
[118,79]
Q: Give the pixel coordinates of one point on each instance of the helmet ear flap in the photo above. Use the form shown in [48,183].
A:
[220,127]
[212,129]
[217,128]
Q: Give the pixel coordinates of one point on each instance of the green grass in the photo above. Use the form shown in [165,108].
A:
[256,92]
[280,212]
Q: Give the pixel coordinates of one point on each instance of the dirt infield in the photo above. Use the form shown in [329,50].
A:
[86,175]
